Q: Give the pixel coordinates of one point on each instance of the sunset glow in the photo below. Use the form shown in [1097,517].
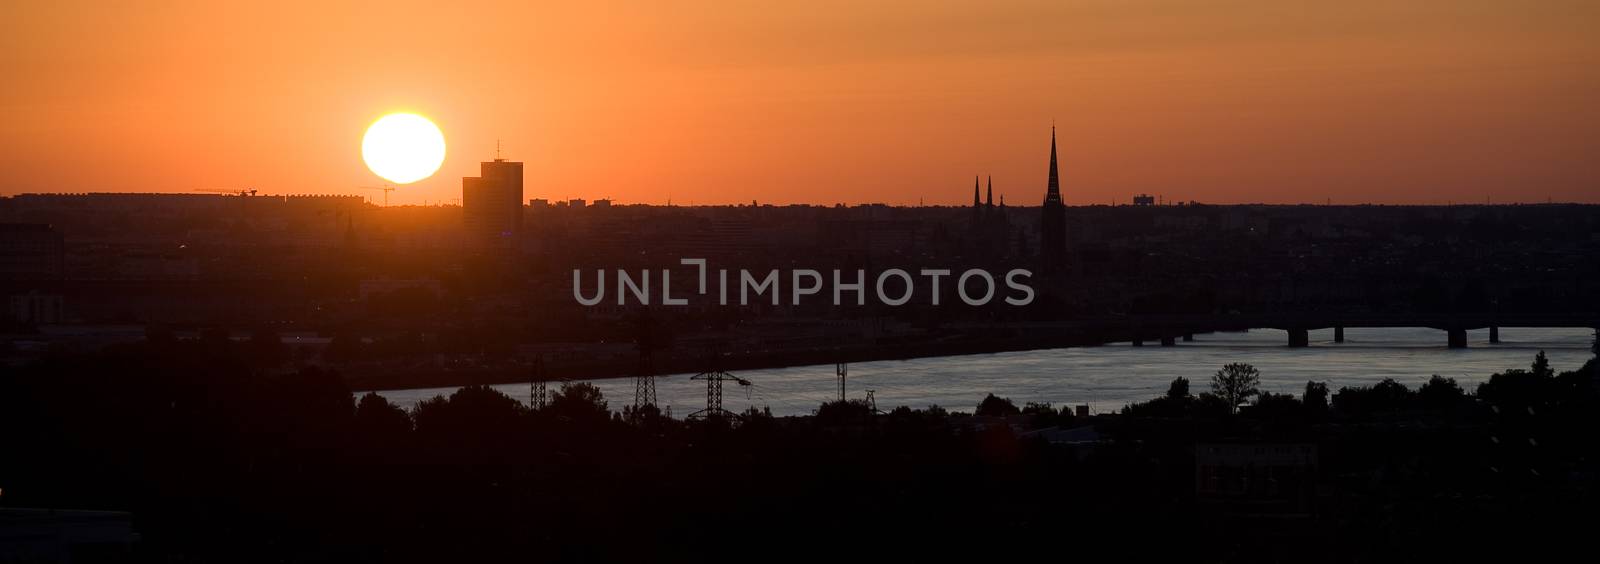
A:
[896,102]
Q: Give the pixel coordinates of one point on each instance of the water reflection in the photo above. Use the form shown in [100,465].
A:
[1108,377]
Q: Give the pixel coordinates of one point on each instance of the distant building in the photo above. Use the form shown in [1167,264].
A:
[1144,200]
[990,228]
[539,203]
[575,202]
[602,203]
[30,251]
[492,202]
[1053,225]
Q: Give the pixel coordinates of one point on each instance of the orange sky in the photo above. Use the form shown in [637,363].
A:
[818,102]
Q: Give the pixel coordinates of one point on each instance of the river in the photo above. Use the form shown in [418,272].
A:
[1108,377]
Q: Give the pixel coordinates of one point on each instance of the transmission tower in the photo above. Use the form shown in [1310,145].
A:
[644,385]
[872,402]
[714,376]
[540,396]
[843,371]
[647,337]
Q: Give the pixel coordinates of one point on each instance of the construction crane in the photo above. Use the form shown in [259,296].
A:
[386,190]
[233,191]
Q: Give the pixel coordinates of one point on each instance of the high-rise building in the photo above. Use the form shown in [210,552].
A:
[492,202]
[1053,226]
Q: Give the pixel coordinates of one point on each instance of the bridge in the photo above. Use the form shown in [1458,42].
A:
[1168,329]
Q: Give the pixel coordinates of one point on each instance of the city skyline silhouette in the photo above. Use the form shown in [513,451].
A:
[1234,281]
[898,103]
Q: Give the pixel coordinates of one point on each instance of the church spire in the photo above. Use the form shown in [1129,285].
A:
[1053,192]
[1053,223]
[990,198]
[975,191]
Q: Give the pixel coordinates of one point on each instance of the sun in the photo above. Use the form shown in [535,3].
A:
[403,148]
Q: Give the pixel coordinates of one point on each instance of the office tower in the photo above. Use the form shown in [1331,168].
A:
[492,202]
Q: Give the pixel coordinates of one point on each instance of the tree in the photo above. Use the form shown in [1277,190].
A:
[473,426]
[579,401]
[1043,414]
[1179,389]
[1518,389]
[644,414]
[997,407]
[1236,383]
[1282,407]
[752,414]
[1440,393]
[1541,366]
[379,423]
[1316,398]
[1384,397]
[1038,408]
[844,412]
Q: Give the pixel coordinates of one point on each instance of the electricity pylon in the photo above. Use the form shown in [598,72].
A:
[644,384]
[714,376]
[540,396]
[647,336]
[842,370]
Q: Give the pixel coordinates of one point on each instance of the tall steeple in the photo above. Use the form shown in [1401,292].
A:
[990,198]
[975,201]
[1053,190]
[1053,224]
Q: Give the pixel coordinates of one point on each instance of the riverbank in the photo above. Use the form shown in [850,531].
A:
[1107,377]
[388,377]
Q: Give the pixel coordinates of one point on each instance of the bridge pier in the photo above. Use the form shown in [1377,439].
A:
[1457,338]
[1188,337]
[1494,334]
[1299,338]
[1338,334]
[1168,341]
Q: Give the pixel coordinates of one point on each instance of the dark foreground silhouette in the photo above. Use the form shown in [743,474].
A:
[221,456]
